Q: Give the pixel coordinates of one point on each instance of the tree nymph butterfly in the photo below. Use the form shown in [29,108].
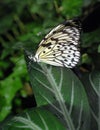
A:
[60,47]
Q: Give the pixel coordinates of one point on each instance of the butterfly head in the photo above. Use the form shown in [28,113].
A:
[34,58]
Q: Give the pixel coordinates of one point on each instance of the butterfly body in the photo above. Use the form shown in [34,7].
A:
[60,47]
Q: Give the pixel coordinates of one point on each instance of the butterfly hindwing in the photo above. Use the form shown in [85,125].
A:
[60,47]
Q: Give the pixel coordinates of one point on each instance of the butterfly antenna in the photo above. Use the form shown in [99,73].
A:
[28,60]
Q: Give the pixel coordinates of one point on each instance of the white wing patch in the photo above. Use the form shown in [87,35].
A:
[60,47]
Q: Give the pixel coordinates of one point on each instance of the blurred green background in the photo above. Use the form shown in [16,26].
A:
[22,26]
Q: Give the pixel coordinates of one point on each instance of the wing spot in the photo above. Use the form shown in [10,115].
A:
[72,59]
[54,39]
[58,46]
[59,43]
[68,56]
[49,47]
[46,45]
[65,60]
[63,56]
[61,51]
[44,38]
[54,32]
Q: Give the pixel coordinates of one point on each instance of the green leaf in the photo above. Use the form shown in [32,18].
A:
[9,86]
[54,84]
[43,1]
[99,49]
[86,59]
[94,79]
[6,23]
[87,2]
[9,9]
[92,84]
[72,8]
[38,7]
[36,119]
[91,38]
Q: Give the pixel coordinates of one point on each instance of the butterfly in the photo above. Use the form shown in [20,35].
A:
[60,47]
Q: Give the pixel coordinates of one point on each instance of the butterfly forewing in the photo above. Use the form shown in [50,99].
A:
[60,47]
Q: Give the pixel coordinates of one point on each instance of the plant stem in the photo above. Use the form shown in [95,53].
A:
[59,98]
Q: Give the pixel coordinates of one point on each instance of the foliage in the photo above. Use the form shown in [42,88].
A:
[35,120]
[70,9]
[60,96]
[10,86]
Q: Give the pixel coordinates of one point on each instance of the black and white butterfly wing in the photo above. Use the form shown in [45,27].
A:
[60,47]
